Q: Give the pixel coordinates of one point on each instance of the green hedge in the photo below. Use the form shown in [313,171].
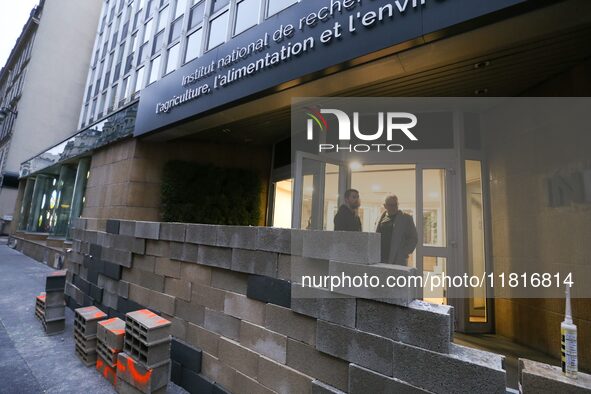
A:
[196,193]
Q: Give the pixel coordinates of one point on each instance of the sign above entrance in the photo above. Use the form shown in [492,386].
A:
[302,40]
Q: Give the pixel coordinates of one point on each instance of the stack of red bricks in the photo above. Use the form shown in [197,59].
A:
[144,365]
[85,330]
[50,304]
[109,343]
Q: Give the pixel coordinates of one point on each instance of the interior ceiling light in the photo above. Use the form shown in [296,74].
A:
[483,64]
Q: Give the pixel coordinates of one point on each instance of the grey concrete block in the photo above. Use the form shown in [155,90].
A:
[362,380]
[237,237]
[123,290]
[214,256]
[379,274]
[119,257]
[167,267]
[420,324]
[148,230]
[222,324]
[536,377]
[254,262]
[78,223]
[463,370]
[152,281]
[129,243]
[190,253]
[319,387]
[173,232]
[244,308]
[127,227]
[236,282]
[272,239]
[345,246]
[144,263]
[368,350]
[110,299]
[161,302]
[310,361]
[202,234]
[108,284]
[178,288]
[302,267]
[190,311]
[263,341]
[294,325]
[157,248]
[176,250]
[324,305]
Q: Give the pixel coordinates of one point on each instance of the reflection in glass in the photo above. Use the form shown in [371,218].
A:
[139,79]
[476,252]
[275,6]
[282,204]
[434,266]
[193,45]
[181,5]
[60,207]
[173,57]
[247,15]
[308,192]
[196,16]
[434,231]
[331,195]
[218,28]
[154,69]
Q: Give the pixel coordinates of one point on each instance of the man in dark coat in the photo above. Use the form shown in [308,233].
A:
[399,234]
[346,218]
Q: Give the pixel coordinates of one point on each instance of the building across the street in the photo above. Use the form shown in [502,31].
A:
[41,87]
[176,84]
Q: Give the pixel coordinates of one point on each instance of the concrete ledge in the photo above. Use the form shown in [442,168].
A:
[148,230]
[420,324]
[345,246]
[464,370]
[535,377]
[362,381]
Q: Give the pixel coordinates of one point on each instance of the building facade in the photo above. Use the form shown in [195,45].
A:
[41,86]
[212,82]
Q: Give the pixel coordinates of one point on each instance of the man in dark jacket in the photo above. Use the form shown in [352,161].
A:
[399,234]
[346,218]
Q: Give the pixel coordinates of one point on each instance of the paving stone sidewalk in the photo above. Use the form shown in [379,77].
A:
[30,361]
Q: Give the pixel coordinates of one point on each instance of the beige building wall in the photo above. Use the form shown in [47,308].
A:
[125,177]
[527,230]
[54,85]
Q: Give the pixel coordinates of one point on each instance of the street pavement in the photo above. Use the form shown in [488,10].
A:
[30,361]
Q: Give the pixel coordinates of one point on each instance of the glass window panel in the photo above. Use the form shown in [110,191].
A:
[218,29]
[139,80]
[274,6]
[476,251]
[112,97]
[162,18]
[331,195]
[175,30]
[124,89]
[282,204]
[434,266]
[141,53]
[181,5]
[157,42]
[193,45]
[217,5]
[434,229]
[196,16]
[173,57]
[247,15]
[154,70]
[148,30]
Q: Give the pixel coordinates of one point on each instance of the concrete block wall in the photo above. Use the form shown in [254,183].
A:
[229,294]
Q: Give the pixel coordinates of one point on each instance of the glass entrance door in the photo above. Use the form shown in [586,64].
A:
[318,189]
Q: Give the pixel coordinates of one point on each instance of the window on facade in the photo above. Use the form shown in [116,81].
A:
[133,43]
[162,19]
[148,30]
[218,28]
[193,45]
[173,58]
[154,69]
[196,16]
[101,106]
[112,98]
[217,5]
[180,7]
[274,6]
[158,39]
[136,20]
[139,79]
[125,30]
[124,90]
[175,30]
[128,63]
[141,53]
[247,15]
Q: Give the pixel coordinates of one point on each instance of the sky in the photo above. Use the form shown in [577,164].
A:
[13,16]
